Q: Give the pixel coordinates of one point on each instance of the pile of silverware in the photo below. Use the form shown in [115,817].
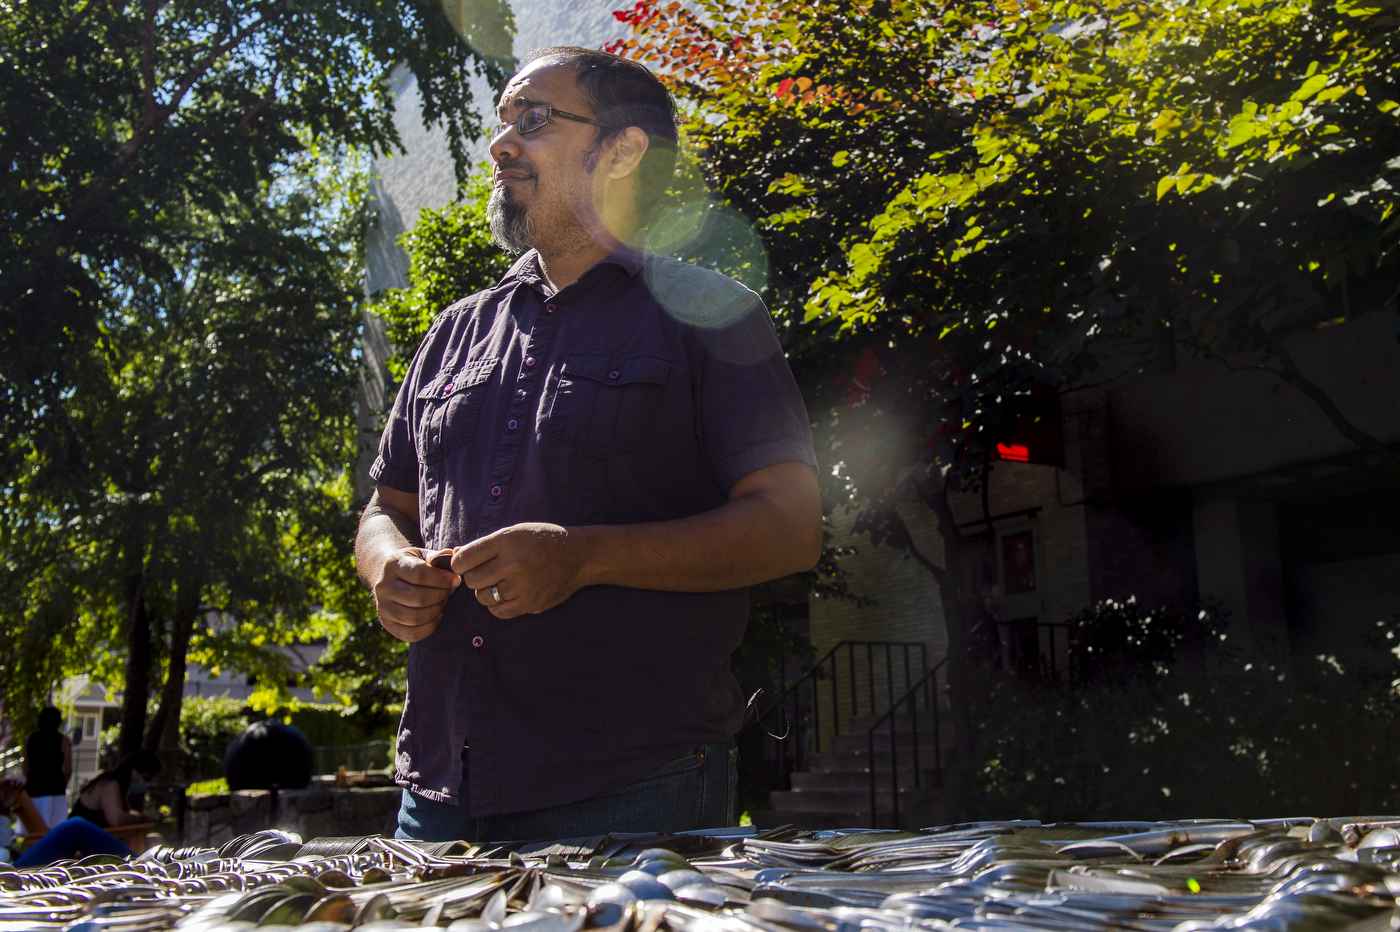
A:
[1284,875]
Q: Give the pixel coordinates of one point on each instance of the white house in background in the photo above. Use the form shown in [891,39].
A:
[84,699]
[200,681]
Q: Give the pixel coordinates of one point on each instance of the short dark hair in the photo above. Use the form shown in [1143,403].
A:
[624,93]
[50,719]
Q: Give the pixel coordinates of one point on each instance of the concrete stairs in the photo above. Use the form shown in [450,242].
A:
[834,792]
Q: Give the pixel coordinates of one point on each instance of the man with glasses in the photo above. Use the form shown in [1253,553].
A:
[585,468]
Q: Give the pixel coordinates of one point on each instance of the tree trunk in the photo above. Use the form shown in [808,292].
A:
[163,735]
[138,666]
[957,620]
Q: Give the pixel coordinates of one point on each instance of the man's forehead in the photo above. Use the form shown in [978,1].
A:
[541,82]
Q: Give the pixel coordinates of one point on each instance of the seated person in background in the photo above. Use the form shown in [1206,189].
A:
[101,804]
[9,792]
[102,800]
[65,840]
[71,838]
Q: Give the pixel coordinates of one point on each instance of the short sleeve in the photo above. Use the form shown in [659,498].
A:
[751,412]
[396,464]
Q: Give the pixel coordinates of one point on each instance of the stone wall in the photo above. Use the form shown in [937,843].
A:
[213,818]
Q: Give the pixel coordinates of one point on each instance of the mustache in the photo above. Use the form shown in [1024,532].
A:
[515,165]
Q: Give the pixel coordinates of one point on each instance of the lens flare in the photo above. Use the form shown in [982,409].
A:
[714,236]
[488,26]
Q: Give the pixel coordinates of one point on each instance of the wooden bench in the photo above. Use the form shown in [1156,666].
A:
[133,834]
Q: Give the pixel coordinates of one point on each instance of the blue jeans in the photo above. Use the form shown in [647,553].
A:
[692,792]
[66,839]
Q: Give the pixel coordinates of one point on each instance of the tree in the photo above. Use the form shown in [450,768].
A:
[116,116]
[814,159]
[970,204]
[1222,172]
[177,344]
[206,448]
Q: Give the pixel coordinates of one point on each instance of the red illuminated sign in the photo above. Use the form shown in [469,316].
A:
[1014,452]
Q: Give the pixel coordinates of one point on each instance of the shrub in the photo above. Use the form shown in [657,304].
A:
[1161,720]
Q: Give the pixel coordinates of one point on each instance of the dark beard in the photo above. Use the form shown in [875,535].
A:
[511,225]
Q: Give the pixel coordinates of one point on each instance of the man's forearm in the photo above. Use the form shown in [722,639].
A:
[383,531]
[409,594]
[771,527]
[739,544]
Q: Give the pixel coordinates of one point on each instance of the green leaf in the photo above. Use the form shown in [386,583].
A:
[1311,86]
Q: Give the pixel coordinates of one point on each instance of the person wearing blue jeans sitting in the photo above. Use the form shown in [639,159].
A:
[102,802]
[64,840]
[67,839]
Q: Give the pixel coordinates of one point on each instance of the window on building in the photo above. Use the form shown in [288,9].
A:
[1018,563]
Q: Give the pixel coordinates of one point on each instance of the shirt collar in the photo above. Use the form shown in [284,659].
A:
[527,269]
[631,256]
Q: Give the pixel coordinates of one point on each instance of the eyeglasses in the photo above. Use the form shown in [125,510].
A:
[533,118]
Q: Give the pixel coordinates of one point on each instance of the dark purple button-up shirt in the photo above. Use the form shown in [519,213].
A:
[642,392]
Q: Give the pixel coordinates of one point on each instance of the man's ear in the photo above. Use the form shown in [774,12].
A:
[626,153]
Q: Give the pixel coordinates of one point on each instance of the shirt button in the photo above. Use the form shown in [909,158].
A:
[512,424]
[529,362]
[447,389]
[614,375]
[549,308]
[478,641]
[495,491]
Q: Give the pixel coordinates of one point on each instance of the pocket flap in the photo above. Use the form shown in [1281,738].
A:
[459,379]
[618,368]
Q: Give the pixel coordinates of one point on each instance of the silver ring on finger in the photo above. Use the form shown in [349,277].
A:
[496,594]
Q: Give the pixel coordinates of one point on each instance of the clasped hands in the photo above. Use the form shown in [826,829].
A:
[533,566]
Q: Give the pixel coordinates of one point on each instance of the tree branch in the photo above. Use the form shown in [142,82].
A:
[939,572]
[154,114]
[271,94]
[1295,379]
[148,62]
[77,18]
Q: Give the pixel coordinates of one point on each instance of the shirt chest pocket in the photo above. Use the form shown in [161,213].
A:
[607,403]
[448,409]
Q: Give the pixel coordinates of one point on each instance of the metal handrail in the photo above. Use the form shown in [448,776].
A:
[818,672]
[1052,671]
[928,680]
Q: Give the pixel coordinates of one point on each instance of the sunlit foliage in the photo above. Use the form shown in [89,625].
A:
[966,203]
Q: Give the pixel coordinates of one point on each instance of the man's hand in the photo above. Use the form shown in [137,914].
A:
[410,593]
[533,566]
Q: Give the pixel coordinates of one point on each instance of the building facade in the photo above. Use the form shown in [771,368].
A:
[1184,482]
